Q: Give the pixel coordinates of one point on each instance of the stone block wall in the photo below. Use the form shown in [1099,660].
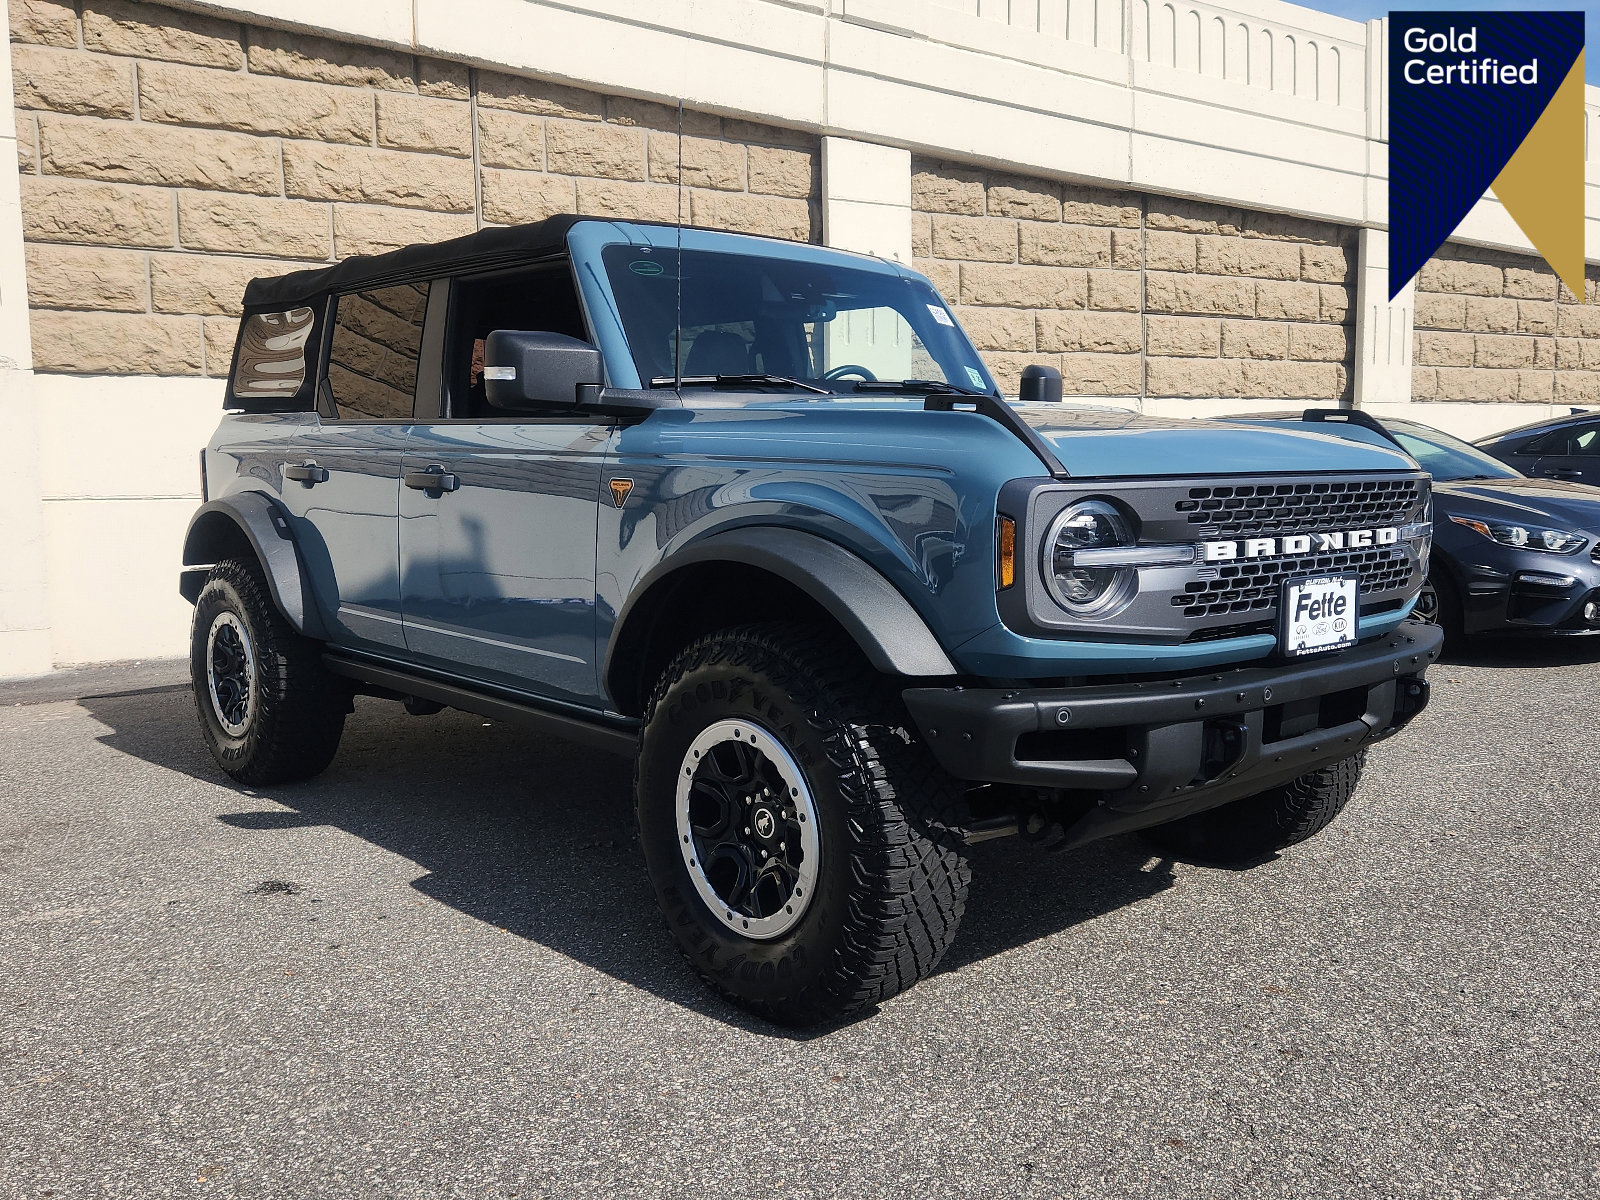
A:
[168,157]
[1493,327]
[1139,295]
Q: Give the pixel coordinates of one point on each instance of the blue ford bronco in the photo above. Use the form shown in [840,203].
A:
[756,514]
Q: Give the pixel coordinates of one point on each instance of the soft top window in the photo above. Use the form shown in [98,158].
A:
[374,352]
[271,360]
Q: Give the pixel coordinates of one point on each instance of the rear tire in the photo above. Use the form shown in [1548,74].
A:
[831,847]
[269,710]
[1250,829]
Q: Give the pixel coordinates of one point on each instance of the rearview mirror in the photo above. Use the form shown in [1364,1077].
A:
[523,370]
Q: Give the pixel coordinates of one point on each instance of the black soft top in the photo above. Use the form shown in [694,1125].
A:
[486,248]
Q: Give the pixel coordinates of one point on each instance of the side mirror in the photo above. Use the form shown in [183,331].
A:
[1040,385]
[534,370]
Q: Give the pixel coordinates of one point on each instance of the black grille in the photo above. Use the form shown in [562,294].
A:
[1251,588]
[1251,509]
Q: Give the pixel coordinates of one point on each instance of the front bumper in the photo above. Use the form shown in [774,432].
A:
[1509,590]
[1153,751]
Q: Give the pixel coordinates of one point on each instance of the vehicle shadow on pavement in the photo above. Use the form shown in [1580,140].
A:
[535,836]
[1513,652]
[1021,893]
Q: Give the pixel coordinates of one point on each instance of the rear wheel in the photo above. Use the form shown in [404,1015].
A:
[270,712]
[1256,826]
[805,848]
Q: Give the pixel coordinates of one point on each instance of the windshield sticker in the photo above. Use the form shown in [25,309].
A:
[645,266]
[940,315]
[976,376]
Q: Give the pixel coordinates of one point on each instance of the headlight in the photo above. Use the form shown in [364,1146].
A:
[1526,537]
[1082,589]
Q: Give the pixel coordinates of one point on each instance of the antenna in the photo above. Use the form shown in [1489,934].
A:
[677,328]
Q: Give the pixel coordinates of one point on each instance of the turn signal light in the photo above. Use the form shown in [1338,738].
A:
[1006,554]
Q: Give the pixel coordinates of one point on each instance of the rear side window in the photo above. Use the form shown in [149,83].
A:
[372,357]
[271,360]
[1572,439]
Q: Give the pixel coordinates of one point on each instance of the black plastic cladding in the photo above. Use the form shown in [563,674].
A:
[1206,601]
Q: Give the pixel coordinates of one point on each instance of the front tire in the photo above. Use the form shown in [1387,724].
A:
[269,711]
[1439,603]
[806,850]
[1250,829]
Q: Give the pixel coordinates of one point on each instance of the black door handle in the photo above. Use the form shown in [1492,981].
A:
[434,479]
[307,473]
[1561,472]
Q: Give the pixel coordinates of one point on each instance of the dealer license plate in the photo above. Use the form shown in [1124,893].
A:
[1317,615]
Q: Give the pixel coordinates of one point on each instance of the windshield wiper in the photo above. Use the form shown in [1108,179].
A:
[935,387]
[737,381]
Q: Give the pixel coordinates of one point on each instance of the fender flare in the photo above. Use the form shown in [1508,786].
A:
[266,528]
[880,620]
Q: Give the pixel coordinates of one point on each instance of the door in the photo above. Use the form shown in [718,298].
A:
[342,479]
[498,512]
[1571,453]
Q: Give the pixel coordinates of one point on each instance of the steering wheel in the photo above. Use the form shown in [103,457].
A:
[850,369]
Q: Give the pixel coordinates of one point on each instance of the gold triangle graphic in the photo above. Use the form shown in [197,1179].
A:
[1542,185]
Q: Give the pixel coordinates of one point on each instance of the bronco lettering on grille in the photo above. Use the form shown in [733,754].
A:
[1273,547]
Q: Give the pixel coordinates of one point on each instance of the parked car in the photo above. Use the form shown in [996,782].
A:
[1565,448]
[755,514]
[1511,554]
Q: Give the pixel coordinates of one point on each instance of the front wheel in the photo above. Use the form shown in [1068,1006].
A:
[1248,830]
[1439,603]
[805,848]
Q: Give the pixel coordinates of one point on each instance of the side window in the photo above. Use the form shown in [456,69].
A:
[535,299]
[271,360]
[1554,442]
[372,361]
[1573,439]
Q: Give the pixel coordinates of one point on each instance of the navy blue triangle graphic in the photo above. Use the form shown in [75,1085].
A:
[1449,140]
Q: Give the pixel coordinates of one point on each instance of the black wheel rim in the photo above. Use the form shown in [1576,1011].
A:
[230,674]
[748,829]
[1427,606]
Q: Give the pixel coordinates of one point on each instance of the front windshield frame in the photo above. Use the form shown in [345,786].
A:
[643,308]
[1447,458]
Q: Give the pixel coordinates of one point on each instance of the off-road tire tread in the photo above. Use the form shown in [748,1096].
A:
[1256,826]
[909,869]
[300,707]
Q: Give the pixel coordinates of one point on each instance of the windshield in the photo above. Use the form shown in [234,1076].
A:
[1445,457]
[748,314]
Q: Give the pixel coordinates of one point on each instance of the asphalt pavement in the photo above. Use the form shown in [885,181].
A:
[437,971]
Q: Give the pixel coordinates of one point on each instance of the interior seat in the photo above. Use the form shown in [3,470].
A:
[717,352]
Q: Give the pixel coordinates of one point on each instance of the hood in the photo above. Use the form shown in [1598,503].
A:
[1539,501]
[1099,442]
